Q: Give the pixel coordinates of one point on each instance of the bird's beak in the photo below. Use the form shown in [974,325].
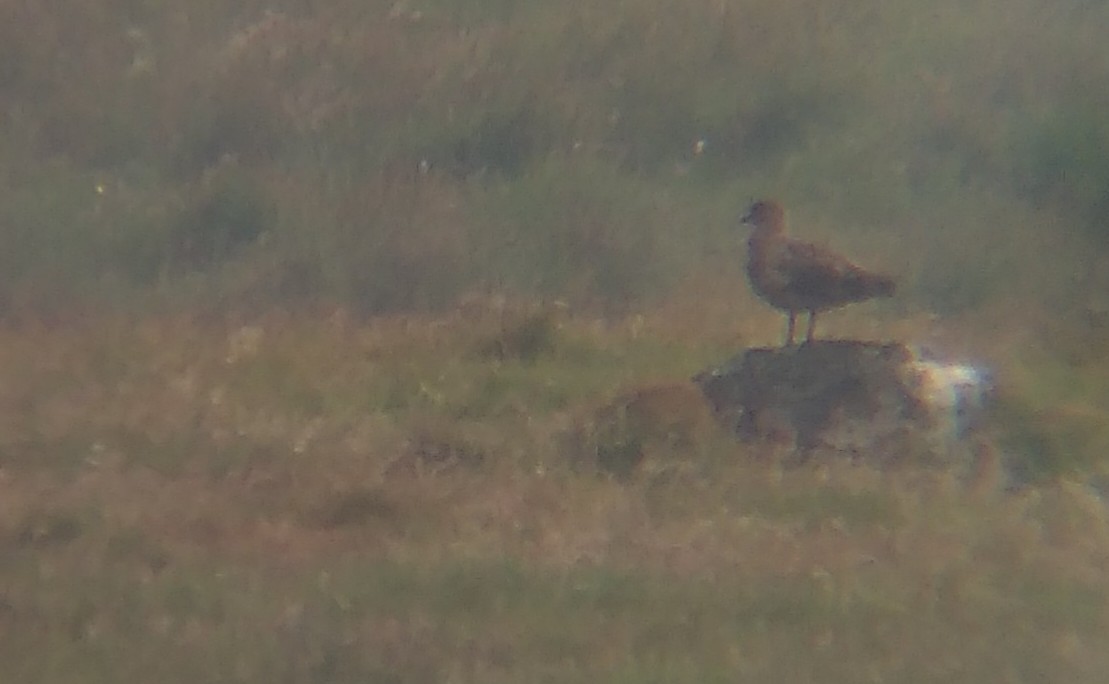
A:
[748,218]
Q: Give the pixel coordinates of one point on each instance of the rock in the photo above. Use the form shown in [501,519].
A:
[876,402]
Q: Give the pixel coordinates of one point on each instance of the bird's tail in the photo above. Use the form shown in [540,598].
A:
[882,285]
[865,285]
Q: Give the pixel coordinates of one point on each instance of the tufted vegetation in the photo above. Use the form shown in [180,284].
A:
[350,341]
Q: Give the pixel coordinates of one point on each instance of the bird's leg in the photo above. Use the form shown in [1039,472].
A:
[812,326]
[789,328]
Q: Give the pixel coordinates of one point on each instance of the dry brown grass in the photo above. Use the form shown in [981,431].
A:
[647,427]
[316,498]
[309,482]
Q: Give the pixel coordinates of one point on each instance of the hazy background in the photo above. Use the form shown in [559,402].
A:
[320,321]
[393,156]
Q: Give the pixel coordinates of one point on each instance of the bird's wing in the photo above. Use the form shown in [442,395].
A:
[811,269]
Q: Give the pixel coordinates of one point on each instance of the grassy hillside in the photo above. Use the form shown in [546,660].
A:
[328,332]
[390,155]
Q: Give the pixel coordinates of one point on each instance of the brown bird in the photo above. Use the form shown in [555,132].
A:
[793,275]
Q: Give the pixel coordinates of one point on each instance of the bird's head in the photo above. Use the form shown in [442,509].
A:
[766,215]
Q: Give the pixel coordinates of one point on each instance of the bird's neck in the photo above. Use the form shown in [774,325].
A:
[766,232]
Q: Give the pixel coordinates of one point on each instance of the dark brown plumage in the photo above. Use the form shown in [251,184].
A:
[793,275]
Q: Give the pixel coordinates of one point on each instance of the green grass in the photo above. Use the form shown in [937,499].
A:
[357,618]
